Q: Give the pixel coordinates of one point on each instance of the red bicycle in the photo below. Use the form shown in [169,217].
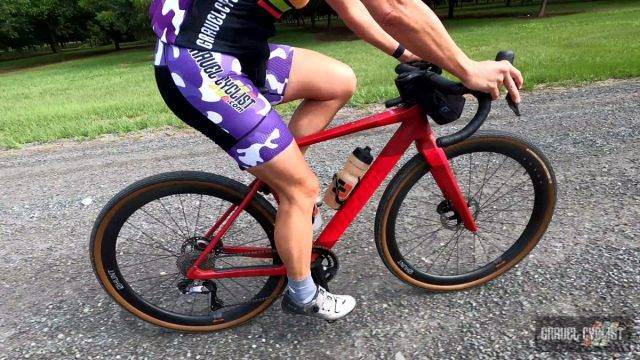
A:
[194,251]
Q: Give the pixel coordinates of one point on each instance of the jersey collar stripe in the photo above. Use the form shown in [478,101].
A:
[268,7]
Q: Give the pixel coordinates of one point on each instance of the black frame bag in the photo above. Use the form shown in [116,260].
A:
[414,86]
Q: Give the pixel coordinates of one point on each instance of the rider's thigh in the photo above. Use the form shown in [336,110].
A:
[319,77]
[289,175]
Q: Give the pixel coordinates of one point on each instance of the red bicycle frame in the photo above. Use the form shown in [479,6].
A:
[414,128]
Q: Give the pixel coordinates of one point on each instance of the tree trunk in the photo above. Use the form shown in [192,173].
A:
[116,37]
[543,9]
[508,3]
[452,4]
[329,21]
[53,41]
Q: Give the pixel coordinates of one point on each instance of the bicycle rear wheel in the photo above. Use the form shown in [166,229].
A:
[511,191]
[150,233]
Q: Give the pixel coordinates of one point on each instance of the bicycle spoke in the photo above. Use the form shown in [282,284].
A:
[171,216]
[469,189]
[145,262]
[490,243]
[151,277]
[455,246]
[443,247]
[425,239]
[484,178]
[423,219]
[195,227]
[491,176]
[513,201]
[184,215]
[157,247]
[160,222]
[484,251]
[120,252]
[251,242]
[501,186]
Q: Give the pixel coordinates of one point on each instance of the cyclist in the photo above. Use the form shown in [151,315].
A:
[217,71]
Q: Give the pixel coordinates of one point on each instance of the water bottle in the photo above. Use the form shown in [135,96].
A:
[346,179]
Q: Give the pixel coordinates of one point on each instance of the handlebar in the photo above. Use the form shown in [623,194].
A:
[431,75]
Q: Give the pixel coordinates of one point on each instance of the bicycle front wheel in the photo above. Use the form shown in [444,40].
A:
[511,191]
[151,233]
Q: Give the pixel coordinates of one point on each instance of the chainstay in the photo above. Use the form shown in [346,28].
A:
[248,253]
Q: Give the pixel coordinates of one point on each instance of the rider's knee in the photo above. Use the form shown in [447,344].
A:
[348,82]
[304,189]
[311,187]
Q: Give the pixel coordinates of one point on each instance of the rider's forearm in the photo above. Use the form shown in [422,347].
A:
[356,16]
[414,24]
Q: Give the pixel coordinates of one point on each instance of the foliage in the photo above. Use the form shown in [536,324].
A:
[117,20]
[34,22]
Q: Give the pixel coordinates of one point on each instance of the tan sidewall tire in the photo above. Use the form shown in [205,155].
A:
[382,230]
[99,269]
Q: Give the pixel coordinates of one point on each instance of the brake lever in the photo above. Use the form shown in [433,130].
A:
[510,57]
[512,105]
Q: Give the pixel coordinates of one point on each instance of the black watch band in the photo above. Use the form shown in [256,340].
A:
[399,51]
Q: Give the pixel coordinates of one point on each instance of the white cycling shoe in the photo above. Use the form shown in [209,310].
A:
[324,305]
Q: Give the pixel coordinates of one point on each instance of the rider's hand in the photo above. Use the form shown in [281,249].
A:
[490,76]
[408,56]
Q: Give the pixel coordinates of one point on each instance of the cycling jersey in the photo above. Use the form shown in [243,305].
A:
[236,27]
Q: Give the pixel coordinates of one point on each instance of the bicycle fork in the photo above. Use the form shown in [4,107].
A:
[445,178]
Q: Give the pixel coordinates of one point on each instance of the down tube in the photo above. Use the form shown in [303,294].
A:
[384,163]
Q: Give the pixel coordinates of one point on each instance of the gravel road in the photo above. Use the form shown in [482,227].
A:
[588,263]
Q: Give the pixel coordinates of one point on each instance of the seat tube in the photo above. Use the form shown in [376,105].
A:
[445,178]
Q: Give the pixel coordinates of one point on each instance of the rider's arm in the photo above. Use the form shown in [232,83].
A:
[356,16]
[419,30]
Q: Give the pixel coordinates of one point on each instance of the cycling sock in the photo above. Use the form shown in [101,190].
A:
[302,291]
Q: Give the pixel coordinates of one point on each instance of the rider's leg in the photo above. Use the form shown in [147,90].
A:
[324,83]
[297,187]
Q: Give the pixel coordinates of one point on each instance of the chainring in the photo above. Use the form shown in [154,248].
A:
[328,260]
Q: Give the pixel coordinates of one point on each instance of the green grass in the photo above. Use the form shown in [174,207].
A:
[116,93]
[19,60]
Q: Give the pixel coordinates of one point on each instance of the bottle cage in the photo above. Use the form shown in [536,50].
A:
[338,186]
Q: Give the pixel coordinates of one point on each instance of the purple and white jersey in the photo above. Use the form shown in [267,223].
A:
[228,26]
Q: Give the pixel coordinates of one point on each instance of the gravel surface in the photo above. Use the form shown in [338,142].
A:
[51,305]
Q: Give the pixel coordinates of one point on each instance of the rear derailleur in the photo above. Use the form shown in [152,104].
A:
[207,287]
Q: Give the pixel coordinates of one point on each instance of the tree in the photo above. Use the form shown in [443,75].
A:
[117,20]
[543,9]
[50,19]
[452,4]
[14,24]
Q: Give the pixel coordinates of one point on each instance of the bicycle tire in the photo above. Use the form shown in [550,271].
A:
[524,153]
[104,238]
